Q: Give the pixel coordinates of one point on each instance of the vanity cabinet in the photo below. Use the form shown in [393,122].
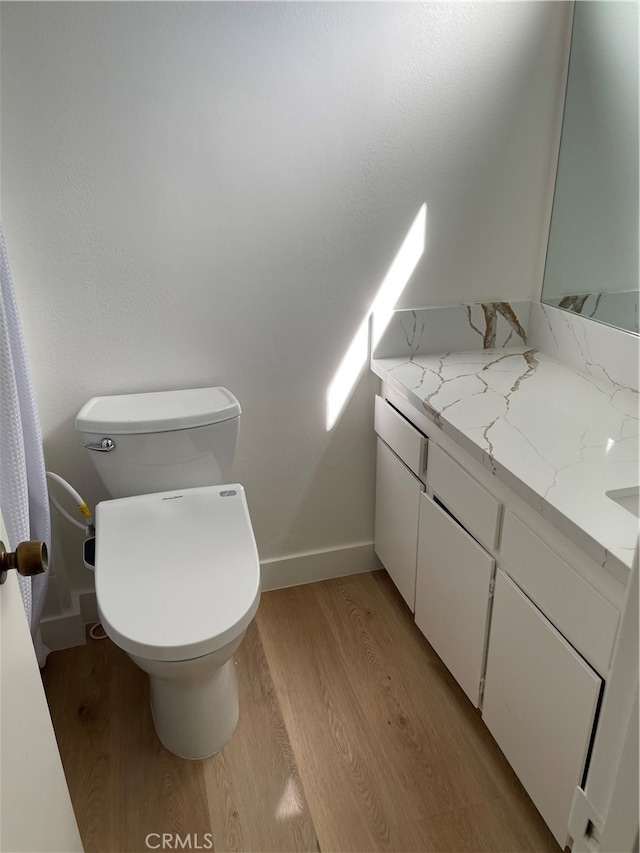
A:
[528,634]
[453,592]
[540,701]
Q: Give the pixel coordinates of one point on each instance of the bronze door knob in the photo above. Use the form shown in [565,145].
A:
[29,558]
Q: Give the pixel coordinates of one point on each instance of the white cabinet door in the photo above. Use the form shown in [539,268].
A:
[540,701]
[452,595]
[396,531]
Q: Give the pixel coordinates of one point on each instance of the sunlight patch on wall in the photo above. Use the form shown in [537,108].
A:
[346,376]
[381,311]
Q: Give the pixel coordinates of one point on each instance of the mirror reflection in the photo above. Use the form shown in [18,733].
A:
[592,255]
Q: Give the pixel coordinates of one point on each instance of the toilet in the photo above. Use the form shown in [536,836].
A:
[177,569]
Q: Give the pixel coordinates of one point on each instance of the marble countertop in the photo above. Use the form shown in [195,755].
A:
[550,432]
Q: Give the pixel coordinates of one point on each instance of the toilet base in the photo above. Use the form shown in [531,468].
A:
[196,720]
[194,703]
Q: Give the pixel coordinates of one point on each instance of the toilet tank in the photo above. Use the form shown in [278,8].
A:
[162,440]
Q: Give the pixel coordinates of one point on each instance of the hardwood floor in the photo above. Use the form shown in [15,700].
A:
[352,737]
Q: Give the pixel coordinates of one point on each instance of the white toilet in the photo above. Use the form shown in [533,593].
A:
[177,570]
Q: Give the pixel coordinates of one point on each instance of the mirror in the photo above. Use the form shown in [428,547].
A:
[592,254]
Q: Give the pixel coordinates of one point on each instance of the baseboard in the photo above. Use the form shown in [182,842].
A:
[318,566]
[69,628]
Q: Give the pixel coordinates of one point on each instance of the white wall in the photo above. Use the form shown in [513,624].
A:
[211,193]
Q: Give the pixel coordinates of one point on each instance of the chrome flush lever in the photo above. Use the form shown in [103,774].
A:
[103,446]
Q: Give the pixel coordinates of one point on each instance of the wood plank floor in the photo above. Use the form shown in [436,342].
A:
[352,737]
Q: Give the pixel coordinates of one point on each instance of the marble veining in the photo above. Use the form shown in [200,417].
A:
[617,308]
[559,437]
[491,311]
[609,356]
[413,330]
[457,328]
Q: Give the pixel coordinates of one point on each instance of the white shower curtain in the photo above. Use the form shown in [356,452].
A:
[23,483]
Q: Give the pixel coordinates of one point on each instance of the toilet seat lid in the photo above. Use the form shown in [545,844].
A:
[177,573]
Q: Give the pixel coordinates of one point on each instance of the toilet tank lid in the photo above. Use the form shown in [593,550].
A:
[157,411]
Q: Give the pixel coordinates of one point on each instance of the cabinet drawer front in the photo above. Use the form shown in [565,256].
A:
[464,497]
[586,619]
[452,595]
[404,439]
[396,521]
[540,702]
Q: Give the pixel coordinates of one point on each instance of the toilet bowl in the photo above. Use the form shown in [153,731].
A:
[177,584]
[194,703]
